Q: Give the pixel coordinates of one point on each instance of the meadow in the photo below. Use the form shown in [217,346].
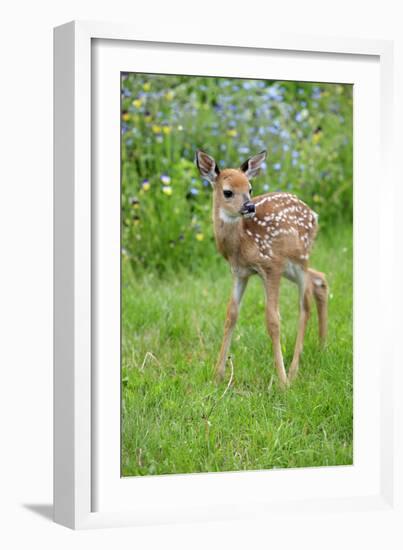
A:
[175,286]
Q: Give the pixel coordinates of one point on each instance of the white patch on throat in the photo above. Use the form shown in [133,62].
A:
[227,218]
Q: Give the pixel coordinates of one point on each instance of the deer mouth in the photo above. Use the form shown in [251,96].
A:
[248,210]
[247,214]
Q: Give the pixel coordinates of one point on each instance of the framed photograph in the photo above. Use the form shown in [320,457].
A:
[190,176]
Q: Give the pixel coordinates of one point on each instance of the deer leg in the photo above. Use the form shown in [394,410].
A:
[305,298]
[320,291]
[238,289]
[272,287]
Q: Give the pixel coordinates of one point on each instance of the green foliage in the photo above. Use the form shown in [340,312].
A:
[176,420]
[305,127]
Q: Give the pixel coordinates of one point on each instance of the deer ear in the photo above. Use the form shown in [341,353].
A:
[252,166]
[207,166]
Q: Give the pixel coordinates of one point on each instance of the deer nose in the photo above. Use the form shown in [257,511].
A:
[249,207]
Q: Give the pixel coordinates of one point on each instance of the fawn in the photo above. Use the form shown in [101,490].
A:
[270,235]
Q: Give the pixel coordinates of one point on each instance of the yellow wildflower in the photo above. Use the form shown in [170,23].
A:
[167,130]
[232,132]
[126,116]
[146,86]
[199,236]
[148,118]
[156,129]
[137,103]
[316,137]
[169,95]
[167,190]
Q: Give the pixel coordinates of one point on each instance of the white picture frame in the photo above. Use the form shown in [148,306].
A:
[85,493]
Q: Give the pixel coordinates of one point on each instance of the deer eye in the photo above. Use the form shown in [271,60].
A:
[228,194]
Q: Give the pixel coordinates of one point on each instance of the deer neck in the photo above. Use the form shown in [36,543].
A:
[227,232]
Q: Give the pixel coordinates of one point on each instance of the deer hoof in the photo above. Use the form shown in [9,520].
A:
[219,375]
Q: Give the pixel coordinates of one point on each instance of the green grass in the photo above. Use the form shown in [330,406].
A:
[174,418]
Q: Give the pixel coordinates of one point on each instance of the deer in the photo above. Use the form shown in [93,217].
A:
[271,236]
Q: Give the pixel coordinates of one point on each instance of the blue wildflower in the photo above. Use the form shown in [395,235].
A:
[316,92]
[274,93]
[165,179]
[277,166]
[257,142]
[302,115]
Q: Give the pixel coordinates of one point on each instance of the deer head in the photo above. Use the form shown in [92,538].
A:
[231,187]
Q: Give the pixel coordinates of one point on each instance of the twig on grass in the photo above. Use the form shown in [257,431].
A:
[147,355]
[230,378]
[214,405]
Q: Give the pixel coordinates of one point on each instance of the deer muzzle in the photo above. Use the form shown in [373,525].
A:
[248,209]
